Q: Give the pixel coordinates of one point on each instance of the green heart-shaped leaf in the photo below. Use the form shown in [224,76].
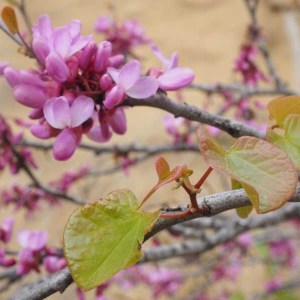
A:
[104,237]
[265,171]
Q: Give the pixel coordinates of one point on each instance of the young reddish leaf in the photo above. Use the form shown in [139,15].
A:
[162,168]
[104,237]
[289,142]
[266,173]
[9,18]
[281,107]
[177,173]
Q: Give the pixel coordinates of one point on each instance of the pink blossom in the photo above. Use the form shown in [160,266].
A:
[28,87]
[110,121]
[172,77]
[284,249]
[7,157]
[178,128]
[6,261]
[63,41]
[130,82]
[27,260]
[54,264]
[245,240]
[245,65]
[124,36]
[3,65]
[6,229]
[273,285]
[24,197]
[32,240]
[60,115]
[69,178]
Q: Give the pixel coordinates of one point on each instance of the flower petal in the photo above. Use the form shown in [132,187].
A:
[65,144]
[118,121]
[114,73]
[42,131]
[100,134]
[175,79]
[82,109]
[80,43]
[61,41]
[143,88]
[30,96]
[33,240]
[41,49]
[56,67]
[114,97]
[129,74]
[57,112]
[44,27]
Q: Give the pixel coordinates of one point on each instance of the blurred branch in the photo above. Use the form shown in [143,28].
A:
[232,228]
[243,90]
[22,165]
[120,149]
[252,7]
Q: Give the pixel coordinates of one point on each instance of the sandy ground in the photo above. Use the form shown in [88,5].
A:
[207,35]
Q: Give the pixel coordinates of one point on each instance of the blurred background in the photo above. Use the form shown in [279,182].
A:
[207,34]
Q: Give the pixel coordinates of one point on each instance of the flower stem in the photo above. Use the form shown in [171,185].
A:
[203,178]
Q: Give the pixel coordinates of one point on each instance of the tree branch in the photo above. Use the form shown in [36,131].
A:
[193,113]
[214,203]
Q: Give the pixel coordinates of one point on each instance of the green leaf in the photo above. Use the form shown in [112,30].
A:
[237,296]
[266,173]
[242,212]
[285,295]
[281,107]
[165,175]
[289,141]
[104,237]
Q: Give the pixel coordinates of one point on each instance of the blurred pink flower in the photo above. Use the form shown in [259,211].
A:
[54,264]
[6,229]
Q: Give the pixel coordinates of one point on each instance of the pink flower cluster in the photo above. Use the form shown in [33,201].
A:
[284,249]
[5,236]
[34,251]
[162,281]
[69,178]
[30,197]
[246,66]
[123,37]
[80,85]
[24,197]
[7,157]
[179,129]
